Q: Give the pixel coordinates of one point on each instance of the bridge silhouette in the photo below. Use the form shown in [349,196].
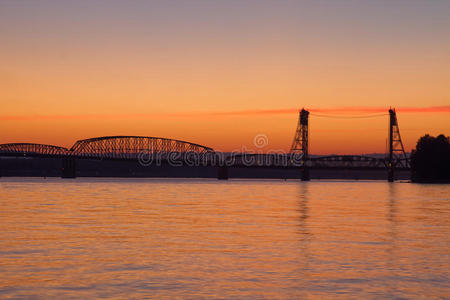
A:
[144,149]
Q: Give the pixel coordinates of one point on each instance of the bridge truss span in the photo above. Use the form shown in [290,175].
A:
[130,147]
[280,160]
[348,161]
[395,159]
[31,149]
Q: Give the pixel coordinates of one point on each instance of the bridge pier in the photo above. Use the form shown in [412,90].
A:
[305,174]
[68,167]
[390,174]
[222,173]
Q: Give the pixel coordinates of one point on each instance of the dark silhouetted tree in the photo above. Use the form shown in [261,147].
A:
[430,161]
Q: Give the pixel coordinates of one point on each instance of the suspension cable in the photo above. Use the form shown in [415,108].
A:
[349,117]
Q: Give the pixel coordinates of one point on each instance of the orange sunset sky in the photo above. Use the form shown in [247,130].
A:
[218,73]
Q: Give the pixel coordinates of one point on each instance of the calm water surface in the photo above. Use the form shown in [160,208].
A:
[135,238]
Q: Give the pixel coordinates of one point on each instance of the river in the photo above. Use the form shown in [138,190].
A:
[192,238]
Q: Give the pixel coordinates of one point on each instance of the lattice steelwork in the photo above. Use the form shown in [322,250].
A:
[300,142]
[397,155]
[30,149]
[348,161]
[329,162]
[260,160]
[129,147]
[299,148]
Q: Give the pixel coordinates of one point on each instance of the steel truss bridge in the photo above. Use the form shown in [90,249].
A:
[137,147]
[131,147]
[110,147]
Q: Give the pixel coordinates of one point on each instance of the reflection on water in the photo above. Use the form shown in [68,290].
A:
[131,238]
[391,253]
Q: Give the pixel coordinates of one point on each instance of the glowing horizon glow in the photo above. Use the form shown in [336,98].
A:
[344,110]
[321,135]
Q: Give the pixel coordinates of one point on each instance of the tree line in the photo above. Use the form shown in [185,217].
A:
[430,161]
